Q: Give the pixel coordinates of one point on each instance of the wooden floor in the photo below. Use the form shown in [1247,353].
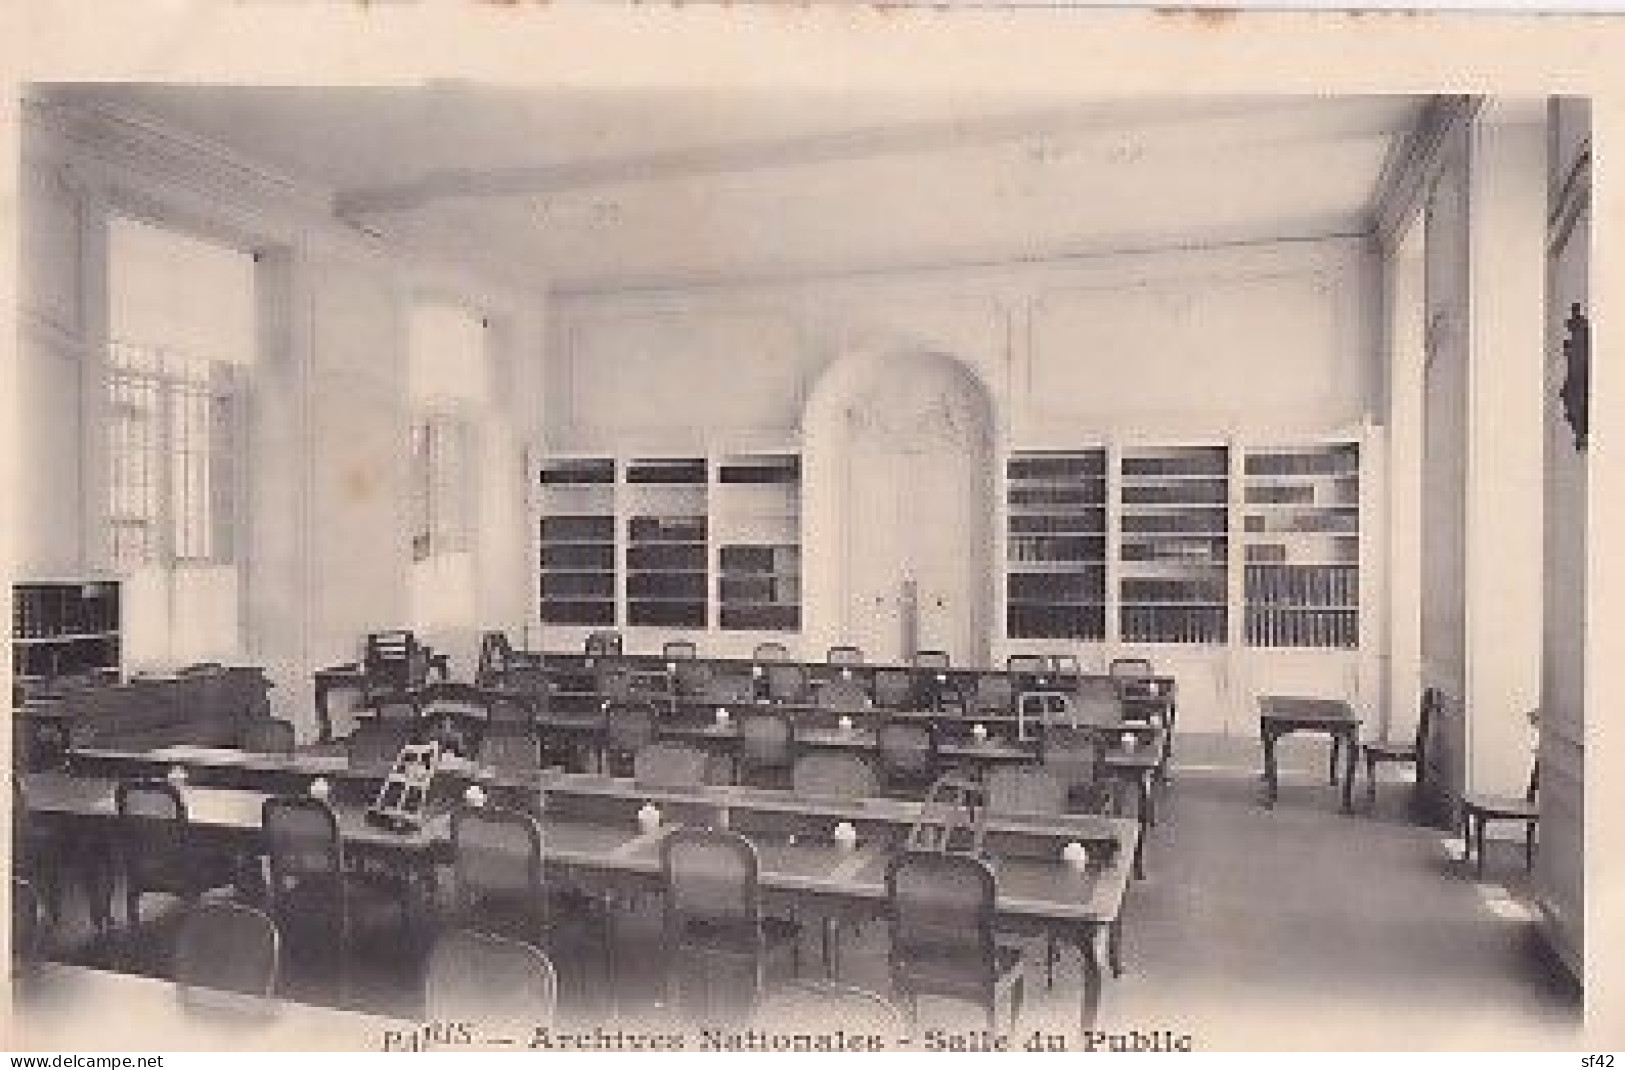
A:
[1299,927]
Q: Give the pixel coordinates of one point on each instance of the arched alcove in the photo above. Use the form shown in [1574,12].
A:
[898,531]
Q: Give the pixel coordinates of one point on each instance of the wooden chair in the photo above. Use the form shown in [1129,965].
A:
[628,728]
[844,654]
[1414,753]
[604,644]
[679,650]
[713,914]
[228,947]
[931,659]
[669,766]
[373,745]
[770,652]
[157,849]
[392,661]
[907,755]
[894,688]
[479,977]
[787,682]
[766,751]
[1478,811]
[941,914]
[1028,791]
[496,657]
[834,775]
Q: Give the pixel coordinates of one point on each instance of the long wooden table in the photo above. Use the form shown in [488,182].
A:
[591,834]
[1280,715]
[58,1007]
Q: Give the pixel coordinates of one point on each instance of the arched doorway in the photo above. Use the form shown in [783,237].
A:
[899,487]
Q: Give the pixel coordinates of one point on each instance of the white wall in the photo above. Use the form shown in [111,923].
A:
[327,555]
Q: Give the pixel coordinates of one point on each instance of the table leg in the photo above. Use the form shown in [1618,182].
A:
[1148,806]
[1088,952]
[1114,946]
[1270,785]
[324,718]
[1331,760]
[1351,749]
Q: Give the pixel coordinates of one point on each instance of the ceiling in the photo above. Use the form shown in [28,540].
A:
[614,190]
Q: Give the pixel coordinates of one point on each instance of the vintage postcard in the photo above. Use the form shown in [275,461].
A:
[811,528]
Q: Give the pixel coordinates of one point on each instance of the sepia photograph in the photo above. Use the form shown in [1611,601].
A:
[796,531]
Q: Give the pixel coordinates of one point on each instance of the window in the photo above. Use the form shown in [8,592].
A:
[181,336]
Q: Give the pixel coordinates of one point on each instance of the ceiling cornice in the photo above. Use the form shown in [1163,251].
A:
[1098,129]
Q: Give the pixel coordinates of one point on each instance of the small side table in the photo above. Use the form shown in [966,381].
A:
[1280,715]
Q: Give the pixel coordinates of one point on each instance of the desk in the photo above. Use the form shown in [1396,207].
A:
[1280,715]
[57,1007]
[350,676]
[1037,892]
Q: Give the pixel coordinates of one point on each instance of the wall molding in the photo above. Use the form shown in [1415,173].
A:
[1573,200]
[1402,186]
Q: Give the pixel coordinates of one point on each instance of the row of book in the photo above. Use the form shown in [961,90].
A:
[685,472]
[578,558]
[659,557]
[572,473]
[1037,549]
[1342,460]
[666,585]
[1056,622]
[667,614]
[40,611]
[1208,552]
[1189,491]
[1318,521]
[1303,585]
[1091,465]
[667,528]
[777,558]
[582,528]
[566,611]
[1159,589]
[1173,624]
[1207,462]
[1303,627]
[1280,493]
[774,589]
[1089,523]
[1193,521]
[68,659]
[578,585]
[1088,582]
[1078,497]
[764,618]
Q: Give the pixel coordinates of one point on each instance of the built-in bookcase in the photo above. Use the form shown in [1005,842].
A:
[666,547]
[64,628]
[1174,545]
[759,543]
[576,541]
[1301,538]
[1056,512]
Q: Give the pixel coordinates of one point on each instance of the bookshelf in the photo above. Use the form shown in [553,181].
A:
[576,541]
[1056,510]
[666,547]
[1301,546]
[64,628]
[1174,545]
[759,543]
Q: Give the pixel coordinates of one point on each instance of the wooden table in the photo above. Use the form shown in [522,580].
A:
[57,1007]
[1037,891]
[1280,715]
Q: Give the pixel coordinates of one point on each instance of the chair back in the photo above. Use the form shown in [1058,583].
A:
[941,919]
[844,654]
[906,751]
[713,896]
[26,930]
[1028,664]
[456,716]
[834,775]
[604,644]
[679,650]
[495,654]
[472,976]
[306,858]
[766,741]
[228,947]
[842,694]
[613,681]
[1024,790]
[528,680]
[512,708]
[513,751]
[268,735]
[395,706]
[894,688]
[770,652]
[786,682]
[154,839]
[726,688]
[1130,669]
[692,678]
[393,661]
[995,693]
[497,871]
[931,659]
[374,744]
[669,766]
[1532,793]
[628,726]
[1065,667]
